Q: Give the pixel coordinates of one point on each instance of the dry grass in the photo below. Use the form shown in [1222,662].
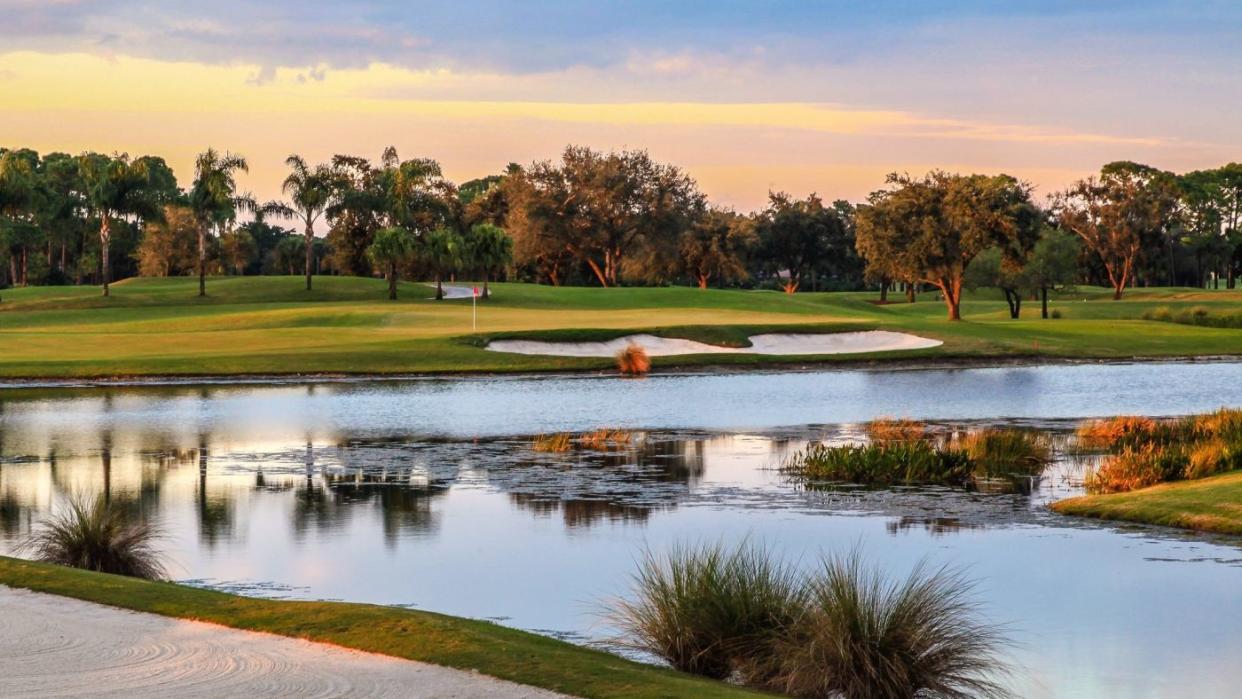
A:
[1007,452]
[553,443]
[1133,468]
[888,429]
[633,361]
[1110,432]
[606,440]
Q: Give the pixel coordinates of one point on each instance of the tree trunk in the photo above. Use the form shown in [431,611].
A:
[883,291]
[487,294]
[105,235]
[951,289]
[310,254]
[791,286]
[202,261]
[1014,300]
[702,280]
[439,288]
[600,274]
[910,292]
[1043,300]
[392,281]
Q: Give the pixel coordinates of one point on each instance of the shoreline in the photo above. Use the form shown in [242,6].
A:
[693,369]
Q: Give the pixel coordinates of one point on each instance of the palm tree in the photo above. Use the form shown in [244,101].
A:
[17,186]
[114,187]
[443,254]
[214,199]
[312,191]
[491,249]
[391,247]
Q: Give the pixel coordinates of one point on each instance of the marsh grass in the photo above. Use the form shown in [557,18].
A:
[887,429]
[106,536]
[1113,431]
[553,443]
[633,361]
[1144,452]
[998,453]
[606,440]
[709,610]
[882,463]
[844,630]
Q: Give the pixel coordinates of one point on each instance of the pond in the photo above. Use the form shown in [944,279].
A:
[428,493]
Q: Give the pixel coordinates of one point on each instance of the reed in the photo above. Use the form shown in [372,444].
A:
[887,429]
[553,443]
[884,463]
[998,453]
[606,440]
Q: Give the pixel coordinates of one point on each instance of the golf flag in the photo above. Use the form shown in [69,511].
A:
[476,291]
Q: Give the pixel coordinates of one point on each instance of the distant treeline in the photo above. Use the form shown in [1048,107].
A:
[607,219]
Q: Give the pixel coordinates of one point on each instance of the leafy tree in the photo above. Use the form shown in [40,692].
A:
[214,200]
[1052,264]
[237,250]
[168,243]
[941,222]
[442,253]
[115,187]
[489,251]
[17,196]
[795,235]
[391,248]
[311,191]
[715,247]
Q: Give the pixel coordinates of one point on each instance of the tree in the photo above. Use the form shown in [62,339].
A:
[715,247]
[17,191]
[311,191]
[237,250]
[441,252]
[391,248]
[941,222]
[601,206]
[167,244]
[794,235]
[490,250]
[115,187]
[214,199]
[989,269]
[1052,264]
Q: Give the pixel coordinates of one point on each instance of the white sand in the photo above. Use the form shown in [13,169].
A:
[771,344]
[452,291]
[57,646]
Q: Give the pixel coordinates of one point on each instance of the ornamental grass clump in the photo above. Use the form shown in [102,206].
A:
[864,635]
[883,463]
[633,361]
[97,534]
[710,610]
[998,453]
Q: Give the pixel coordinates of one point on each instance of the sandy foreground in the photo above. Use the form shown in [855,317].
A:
[56,646]
[770,344]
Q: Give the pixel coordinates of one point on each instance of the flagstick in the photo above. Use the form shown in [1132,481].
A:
[474,310]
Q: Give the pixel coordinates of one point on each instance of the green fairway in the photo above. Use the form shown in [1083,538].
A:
[270,325]
[415,635]
[1207,504]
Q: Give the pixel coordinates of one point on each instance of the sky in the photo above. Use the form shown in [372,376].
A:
[747,97]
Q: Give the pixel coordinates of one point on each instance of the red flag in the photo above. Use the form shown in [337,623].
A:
[476,291]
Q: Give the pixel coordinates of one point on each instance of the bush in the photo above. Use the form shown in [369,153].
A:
[866,636]
[99,535]
[883,463]
[708,610]
[1055,313]
[633,360]
[1006,452]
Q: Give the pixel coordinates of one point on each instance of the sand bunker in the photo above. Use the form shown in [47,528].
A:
[55,646]
[452,291]
[772,344]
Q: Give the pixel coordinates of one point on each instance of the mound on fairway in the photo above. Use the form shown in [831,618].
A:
[768,344]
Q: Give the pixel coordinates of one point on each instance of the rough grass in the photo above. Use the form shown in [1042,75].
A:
[1212,504]
[466,644]
[271,325]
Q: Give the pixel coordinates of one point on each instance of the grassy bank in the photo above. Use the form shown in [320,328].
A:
[270,325]
[434,638]
[1211,504]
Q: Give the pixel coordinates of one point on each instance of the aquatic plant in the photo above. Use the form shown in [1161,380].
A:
[559,442]
[633,360]
[1225,423]
[1006,452]
[605,439]
[1111,432]
[883,463]
[710,610]
[106,536]
[887,429]
[1136,467]
[865,635]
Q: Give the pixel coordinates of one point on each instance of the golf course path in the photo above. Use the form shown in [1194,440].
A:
[57,646]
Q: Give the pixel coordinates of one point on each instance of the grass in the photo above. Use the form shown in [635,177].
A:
[271,325]
[1212,504]
[106,536]
[633,360]
[466,644]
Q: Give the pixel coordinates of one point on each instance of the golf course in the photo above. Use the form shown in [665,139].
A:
[269,325]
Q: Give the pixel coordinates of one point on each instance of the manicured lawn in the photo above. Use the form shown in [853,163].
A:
[1208,504]
[270,325]
[450,641]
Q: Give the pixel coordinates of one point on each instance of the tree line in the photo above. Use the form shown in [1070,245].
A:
[611,218]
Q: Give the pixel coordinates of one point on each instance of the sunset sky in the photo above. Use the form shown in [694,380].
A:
[746,96]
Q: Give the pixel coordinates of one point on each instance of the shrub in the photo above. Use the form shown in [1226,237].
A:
[708,610]
[1162,314]
[633,360]
[559,442]
[864,635]
[1007,452]
[888,429]
[883,463]
[1055,313]
[1136,467]
[102,535]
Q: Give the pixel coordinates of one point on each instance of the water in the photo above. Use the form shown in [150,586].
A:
[428,494]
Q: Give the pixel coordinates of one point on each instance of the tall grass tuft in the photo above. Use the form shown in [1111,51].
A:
[1006,452]
[709,610]
[554,443]
[1114,431]
[883,463]
[1136,467]
[863,635]
[99,535]
[887,429]
[606,440]
[633,360]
